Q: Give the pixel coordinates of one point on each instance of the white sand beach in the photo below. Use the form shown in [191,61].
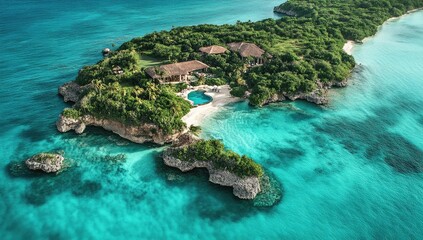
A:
[197,114]
[348,47]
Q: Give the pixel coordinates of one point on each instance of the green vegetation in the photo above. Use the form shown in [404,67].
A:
[44,158]
[146,103]
[196,130]
[71,113]
[128,61]
[215,81]
[214,151]
[306,53]
[148,61]
[238,91]
[306,49]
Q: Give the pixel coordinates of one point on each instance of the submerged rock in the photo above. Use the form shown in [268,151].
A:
[47,162]
[271,191]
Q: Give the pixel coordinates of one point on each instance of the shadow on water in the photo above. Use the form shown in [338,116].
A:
[103,175]
[35,134]
[286,155]
[215,202]
[208,200]
[371,138]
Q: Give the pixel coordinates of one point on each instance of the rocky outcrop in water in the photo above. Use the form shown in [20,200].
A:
[138,134]
[47,162]
[244,188]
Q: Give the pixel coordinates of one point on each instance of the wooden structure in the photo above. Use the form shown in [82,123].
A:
[175,72]
[250,50]
[214,49]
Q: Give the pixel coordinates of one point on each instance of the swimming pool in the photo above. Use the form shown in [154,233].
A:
[199,98]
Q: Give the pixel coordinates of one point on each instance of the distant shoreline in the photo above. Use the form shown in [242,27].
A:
[349,45]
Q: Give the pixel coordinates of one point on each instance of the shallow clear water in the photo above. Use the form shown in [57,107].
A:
[352,169]
[199,98]
[348,170]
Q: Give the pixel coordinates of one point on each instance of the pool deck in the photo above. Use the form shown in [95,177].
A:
[197,114]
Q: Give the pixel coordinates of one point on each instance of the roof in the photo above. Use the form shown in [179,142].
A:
[214,49]
[246,49]
[175,69]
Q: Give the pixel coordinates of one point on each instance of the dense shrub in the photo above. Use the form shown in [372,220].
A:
[238,91]
[214,151]
[306,51]
[215,81]
[71,113]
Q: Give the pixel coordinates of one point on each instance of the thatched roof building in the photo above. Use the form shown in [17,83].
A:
[246,49]
[214,49]
[175,71]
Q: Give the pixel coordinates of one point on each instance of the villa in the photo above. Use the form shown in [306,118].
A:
[250,50]
[176,72]
[214,49]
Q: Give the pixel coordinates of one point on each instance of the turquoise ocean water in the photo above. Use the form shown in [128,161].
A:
[349,170]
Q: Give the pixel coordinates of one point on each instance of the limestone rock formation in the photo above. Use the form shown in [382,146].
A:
[291,13]
[244,188]
[71,91]
[138,134]
[47,162]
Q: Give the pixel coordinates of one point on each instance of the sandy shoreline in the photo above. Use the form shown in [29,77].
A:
[197,114]
[348,47]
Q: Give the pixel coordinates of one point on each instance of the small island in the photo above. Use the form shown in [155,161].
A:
[46,162]
[225,167]
[137,91]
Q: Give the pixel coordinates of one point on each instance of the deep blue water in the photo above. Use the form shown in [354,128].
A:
[199,98]
[352,169]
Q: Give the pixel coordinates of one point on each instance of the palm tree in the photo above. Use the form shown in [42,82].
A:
[151,91]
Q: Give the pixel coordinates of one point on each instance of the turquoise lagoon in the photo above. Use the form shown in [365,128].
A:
[349,170]
[199,98]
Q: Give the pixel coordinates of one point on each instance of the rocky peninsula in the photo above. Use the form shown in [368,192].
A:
[225,167]
[138,134]
[244,188]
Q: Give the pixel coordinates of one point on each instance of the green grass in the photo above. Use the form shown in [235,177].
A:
[288,45]
[148,61]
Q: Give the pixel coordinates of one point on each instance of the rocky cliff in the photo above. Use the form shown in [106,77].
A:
[71,92]
[318,96]
[278,9]
[244,188]
[139,134]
